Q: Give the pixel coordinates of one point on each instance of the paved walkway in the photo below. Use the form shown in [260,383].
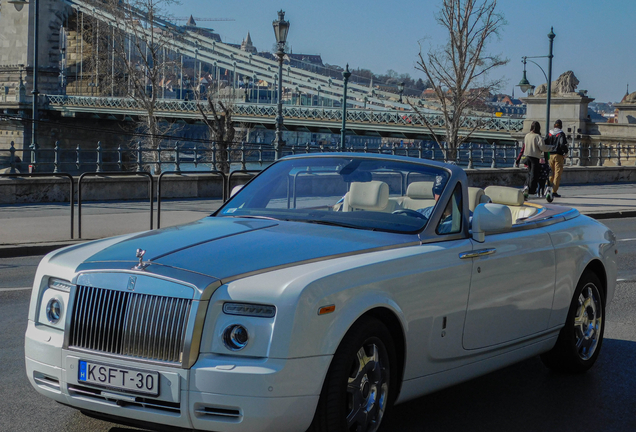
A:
[31,229]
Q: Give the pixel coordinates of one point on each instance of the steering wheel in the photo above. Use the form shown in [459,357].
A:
[409,212]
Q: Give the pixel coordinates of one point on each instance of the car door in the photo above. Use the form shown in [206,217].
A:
[512,287]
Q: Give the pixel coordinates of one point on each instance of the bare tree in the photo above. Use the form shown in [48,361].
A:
[458,71]
[216,113]
[140,46]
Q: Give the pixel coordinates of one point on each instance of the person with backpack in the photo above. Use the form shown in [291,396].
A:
[559,143]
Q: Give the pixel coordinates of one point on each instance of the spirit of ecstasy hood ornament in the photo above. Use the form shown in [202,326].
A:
[140,254]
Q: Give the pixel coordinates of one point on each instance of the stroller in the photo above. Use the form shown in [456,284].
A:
[544,188]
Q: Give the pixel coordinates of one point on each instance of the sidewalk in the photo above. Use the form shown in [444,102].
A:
[33,229]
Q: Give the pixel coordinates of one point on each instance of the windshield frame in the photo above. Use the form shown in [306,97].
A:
[368,221]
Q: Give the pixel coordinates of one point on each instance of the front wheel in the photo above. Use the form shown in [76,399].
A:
[549,197]
[361,382]
[580,340]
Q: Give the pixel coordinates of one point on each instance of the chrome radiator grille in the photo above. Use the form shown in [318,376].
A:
[129,324]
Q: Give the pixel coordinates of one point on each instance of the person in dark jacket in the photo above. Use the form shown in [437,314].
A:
[559,143]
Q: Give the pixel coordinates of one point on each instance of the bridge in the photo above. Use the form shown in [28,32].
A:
[385,123]
[69,55]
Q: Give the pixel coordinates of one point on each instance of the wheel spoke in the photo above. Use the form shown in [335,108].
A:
[357,416]
[362,358]
[579,321]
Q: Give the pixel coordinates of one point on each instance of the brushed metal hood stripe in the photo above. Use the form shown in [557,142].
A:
[207,241]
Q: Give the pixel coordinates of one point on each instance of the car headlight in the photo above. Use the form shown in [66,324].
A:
[235,337]
[60,285]
[248,309]
[53,300]
[54,310]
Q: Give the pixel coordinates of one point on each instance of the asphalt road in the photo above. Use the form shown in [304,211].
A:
[525,397]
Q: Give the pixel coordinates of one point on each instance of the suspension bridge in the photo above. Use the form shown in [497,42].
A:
[76,80]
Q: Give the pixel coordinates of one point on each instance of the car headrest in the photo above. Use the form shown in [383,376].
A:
[373,195]
[505,195]
[474,197]
[420,190]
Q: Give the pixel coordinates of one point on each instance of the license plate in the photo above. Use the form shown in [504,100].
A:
[117,377]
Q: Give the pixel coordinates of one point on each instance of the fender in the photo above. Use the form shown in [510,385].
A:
[573,256]
[349,312]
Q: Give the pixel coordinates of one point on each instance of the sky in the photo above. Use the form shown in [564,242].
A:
[594,39]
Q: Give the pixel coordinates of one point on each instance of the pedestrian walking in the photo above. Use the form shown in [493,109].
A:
[559,143]
[534,147]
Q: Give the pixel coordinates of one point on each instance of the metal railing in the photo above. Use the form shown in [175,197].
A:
[71,193]
[111,175]
[224,180]
[205,156]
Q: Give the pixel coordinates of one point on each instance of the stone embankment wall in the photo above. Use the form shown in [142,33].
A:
[32,190]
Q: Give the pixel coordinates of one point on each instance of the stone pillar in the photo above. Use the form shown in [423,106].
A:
[571,108]
[16,46]
[626,113]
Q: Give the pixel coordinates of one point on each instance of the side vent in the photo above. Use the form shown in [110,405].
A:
[225,414]
[47,382]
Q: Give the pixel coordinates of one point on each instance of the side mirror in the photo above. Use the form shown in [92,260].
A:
[490,218]
[235,190]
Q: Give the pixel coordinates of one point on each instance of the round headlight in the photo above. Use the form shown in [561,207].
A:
[53,310]
[235,337]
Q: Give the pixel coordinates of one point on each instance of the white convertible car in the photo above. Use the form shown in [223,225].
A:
[326,290]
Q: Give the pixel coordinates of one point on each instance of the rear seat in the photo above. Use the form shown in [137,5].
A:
[476,196]
[513,198]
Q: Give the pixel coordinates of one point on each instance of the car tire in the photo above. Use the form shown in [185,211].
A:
[580,340]
[361,382]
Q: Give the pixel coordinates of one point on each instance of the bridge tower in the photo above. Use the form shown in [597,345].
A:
[16,62]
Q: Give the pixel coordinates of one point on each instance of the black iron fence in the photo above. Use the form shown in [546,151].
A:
[249,156]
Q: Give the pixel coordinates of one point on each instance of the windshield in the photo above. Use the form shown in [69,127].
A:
[356,192]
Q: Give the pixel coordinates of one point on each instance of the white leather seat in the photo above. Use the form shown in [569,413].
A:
[476,196]
[368,196]
[513,198]
[419,195]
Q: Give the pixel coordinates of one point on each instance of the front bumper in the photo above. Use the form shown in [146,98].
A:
[218,393]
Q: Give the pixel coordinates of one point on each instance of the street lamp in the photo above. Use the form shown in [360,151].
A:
[19,4]
[525,85]
[281,28]
[255,83]
[345,75]
[401,90]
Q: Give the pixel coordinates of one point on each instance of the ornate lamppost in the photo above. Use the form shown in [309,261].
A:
[525,85]
[401,90]
[246,84]
[345,75]
[281,28]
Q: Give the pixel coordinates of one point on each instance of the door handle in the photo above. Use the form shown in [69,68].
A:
[477,253]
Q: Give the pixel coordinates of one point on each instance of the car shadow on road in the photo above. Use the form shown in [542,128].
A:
[529,397]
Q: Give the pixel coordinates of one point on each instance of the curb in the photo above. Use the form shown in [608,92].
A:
[23,250]
[613,215]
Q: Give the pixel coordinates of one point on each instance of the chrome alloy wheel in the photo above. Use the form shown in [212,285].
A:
[367,390]
[588,321]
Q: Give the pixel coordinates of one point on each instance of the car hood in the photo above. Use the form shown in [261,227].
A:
[224,248]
